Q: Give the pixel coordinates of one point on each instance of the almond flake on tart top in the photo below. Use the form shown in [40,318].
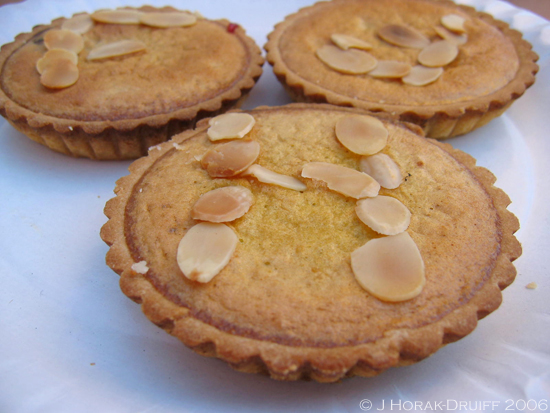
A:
[350,61]
[231,158]
[118,48]
[404,36]
[55,55]
[223,204]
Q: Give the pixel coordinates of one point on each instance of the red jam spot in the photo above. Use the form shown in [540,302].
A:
[231,27]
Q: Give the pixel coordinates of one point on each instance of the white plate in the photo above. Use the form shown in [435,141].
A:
[72,342]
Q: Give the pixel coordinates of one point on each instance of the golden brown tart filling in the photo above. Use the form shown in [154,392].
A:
[289,300]
[474,68]
[115,105]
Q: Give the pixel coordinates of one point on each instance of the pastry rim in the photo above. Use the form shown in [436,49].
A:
[325,364]
[16,113]
[303,90]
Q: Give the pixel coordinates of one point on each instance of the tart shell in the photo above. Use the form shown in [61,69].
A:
[439,119]
[327,357]
[128,119]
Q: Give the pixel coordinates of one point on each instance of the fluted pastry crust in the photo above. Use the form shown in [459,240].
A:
[287,304]
[494,67]
[121,106]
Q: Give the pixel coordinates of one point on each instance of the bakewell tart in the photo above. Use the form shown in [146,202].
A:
[110,84]
[442,66]
[260,238]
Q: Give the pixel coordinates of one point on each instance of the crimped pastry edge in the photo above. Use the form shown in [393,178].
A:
[437,121]
[398,347]
[112,140]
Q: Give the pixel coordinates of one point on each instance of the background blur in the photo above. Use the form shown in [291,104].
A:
[540,7]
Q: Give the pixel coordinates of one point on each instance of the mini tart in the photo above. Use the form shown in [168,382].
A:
[287,303]
[493,68]
[120,106]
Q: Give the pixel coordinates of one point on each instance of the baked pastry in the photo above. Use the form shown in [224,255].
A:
[138,77]
[474,68]
[263,261]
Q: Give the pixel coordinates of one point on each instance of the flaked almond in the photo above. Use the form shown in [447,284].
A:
[119,48]
[383,169]
[79,24]
[384,214]
[438,54]
[421,75]
[230,158]
[455,38]
[205,250]
[223,204]
[230,126]
[268,176]
[117,16]
[63,39]
[390,268]
[345,181]
[59,75]
[390,69]
[350,61]
[403,36]
[363,135]
[345,42]
[168,19]
[53,56]
[532,286]
[454,22]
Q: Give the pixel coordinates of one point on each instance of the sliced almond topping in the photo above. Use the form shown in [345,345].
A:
[455,38]
[205,250]
[120,48]
[269,177]
[168,19]
[223,204]
[59,75]
[403,36]
[341,179]
[454,22]
[117,16]
[363,135]
[390,268]
[382,168]
[531,286]
[63,39]
[384,214]
[230,126]
[230,158]
[79,24]
[438,54]
[345,42]
[350,61]
[390,69]
[53,56]
[421,75]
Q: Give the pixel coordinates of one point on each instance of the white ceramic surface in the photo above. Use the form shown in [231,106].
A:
[70,341]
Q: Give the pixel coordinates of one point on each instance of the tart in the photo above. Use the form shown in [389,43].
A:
[443,66]
[283,285]
[138,77]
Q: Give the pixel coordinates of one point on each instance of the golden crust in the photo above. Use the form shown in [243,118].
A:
[493,68]
[287,318]
[121,106]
